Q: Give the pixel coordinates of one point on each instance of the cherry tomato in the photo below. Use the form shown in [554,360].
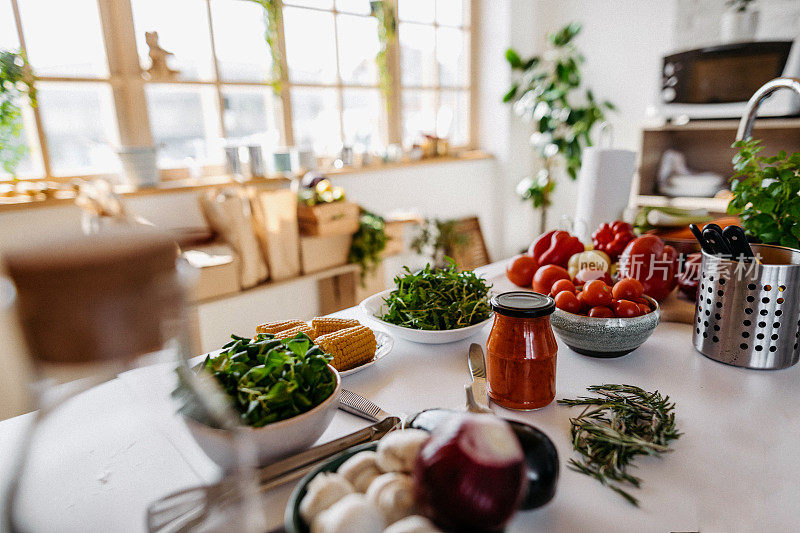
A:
[567,301]
[644,308]
[584,304]
[589,274]
[628,289]
[626,309]
[601,311]
[562,285]
[596,293]
[520,270]
[546,276]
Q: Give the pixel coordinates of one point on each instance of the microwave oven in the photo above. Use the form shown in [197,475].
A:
[717,81]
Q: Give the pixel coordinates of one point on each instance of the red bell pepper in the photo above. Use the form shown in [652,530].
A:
[653,263]
[555,248]
[613,238]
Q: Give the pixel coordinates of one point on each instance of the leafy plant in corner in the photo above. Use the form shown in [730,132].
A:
[16,84]
[766,194]
[547,94]
[387,27]
[368,243]
[439,239]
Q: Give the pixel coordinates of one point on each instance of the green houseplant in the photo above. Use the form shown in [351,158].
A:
[766,194]
[272,22]
[16,84]
[548,94]
[368,243]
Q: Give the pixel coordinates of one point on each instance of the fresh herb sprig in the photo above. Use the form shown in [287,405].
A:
[271,380]
[438,299]
[625,421]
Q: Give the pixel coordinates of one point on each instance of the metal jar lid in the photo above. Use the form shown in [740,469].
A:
[522,304]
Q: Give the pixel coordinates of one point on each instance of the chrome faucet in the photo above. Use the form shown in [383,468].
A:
[751,111]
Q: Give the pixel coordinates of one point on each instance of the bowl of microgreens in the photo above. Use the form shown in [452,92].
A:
[432,305]
[283,390]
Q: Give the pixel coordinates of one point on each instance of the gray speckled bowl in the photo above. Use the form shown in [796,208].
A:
[604,337]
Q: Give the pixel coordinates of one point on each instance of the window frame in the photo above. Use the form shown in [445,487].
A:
[128,83]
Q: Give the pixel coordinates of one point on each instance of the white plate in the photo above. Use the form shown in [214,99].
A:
[385,345]
[374,307]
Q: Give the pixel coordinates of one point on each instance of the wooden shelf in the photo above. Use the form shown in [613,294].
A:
[714,205]
[727,124]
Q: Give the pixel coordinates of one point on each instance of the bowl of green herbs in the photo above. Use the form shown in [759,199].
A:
[432,305]
[283,390]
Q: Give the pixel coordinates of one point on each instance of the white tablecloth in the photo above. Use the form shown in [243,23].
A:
[736,467]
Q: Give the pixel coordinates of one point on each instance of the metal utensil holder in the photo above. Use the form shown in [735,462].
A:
[748,312]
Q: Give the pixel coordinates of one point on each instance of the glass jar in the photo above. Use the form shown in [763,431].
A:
[521,351]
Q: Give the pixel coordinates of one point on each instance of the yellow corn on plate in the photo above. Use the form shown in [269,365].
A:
[350,347]
[291,332]
[275,327]
[324,325]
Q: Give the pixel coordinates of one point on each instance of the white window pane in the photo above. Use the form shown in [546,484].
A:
[364,118]
[416,54]
[183,30]
[9,40]
[64,38]
[419,115]
[239,39]
[319,4]
[184,122]
[80,126]
[250,111]
[416,10]
[451,54]
[359,7]
[451,12]
[452,121]
[315,118]
[23,147]
[310,45]
[358,46]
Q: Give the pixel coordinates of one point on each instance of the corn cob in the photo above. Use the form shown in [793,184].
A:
[349,347]
[324,325]
[275,327]
[300,328]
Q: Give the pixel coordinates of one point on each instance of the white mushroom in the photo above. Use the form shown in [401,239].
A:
[360,470]
[352,514]
[398,451]
[393,493]
[323,491]
[413,524]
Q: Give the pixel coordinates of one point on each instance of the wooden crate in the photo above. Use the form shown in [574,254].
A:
[337,218]
[320,253]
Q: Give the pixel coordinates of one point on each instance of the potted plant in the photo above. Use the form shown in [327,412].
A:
[548,94]
[739,22]
[16,84]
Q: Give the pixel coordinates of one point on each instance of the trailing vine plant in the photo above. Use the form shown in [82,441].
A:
[387,28]
[547,94]
[368,243]
[16,84]
[272,23]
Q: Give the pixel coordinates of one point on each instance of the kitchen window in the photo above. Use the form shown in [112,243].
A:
[95,93]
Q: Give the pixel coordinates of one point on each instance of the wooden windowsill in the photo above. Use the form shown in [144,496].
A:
[64,198]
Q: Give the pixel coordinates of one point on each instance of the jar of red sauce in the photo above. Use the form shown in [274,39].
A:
[521,351]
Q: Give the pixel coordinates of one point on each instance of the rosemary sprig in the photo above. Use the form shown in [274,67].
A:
[623,422]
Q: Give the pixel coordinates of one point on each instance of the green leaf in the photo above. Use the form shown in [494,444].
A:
[512,92]
[513,58]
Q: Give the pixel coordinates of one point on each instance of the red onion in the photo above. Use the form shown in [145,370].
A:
[470,475]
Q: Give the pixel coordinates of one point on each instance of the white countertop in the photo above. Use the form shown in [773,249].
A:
[736,467]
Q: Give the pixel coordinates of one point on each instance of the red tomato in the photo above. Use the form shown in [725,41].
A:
[627,289]
[596,293]
[520,270]
[584,304]
[601,311]
[644,308]
[546,276]
[562,285]
[653,263]
[626,309]
[567,301]
[589,274]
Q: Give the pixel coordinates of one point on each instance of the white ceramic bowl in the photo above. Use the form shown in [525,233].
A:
[272,441]
[374,307]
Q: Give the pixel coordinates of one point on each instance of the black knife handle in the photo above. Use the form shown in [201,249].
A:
[737,242]
[700,239]
[717,242]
